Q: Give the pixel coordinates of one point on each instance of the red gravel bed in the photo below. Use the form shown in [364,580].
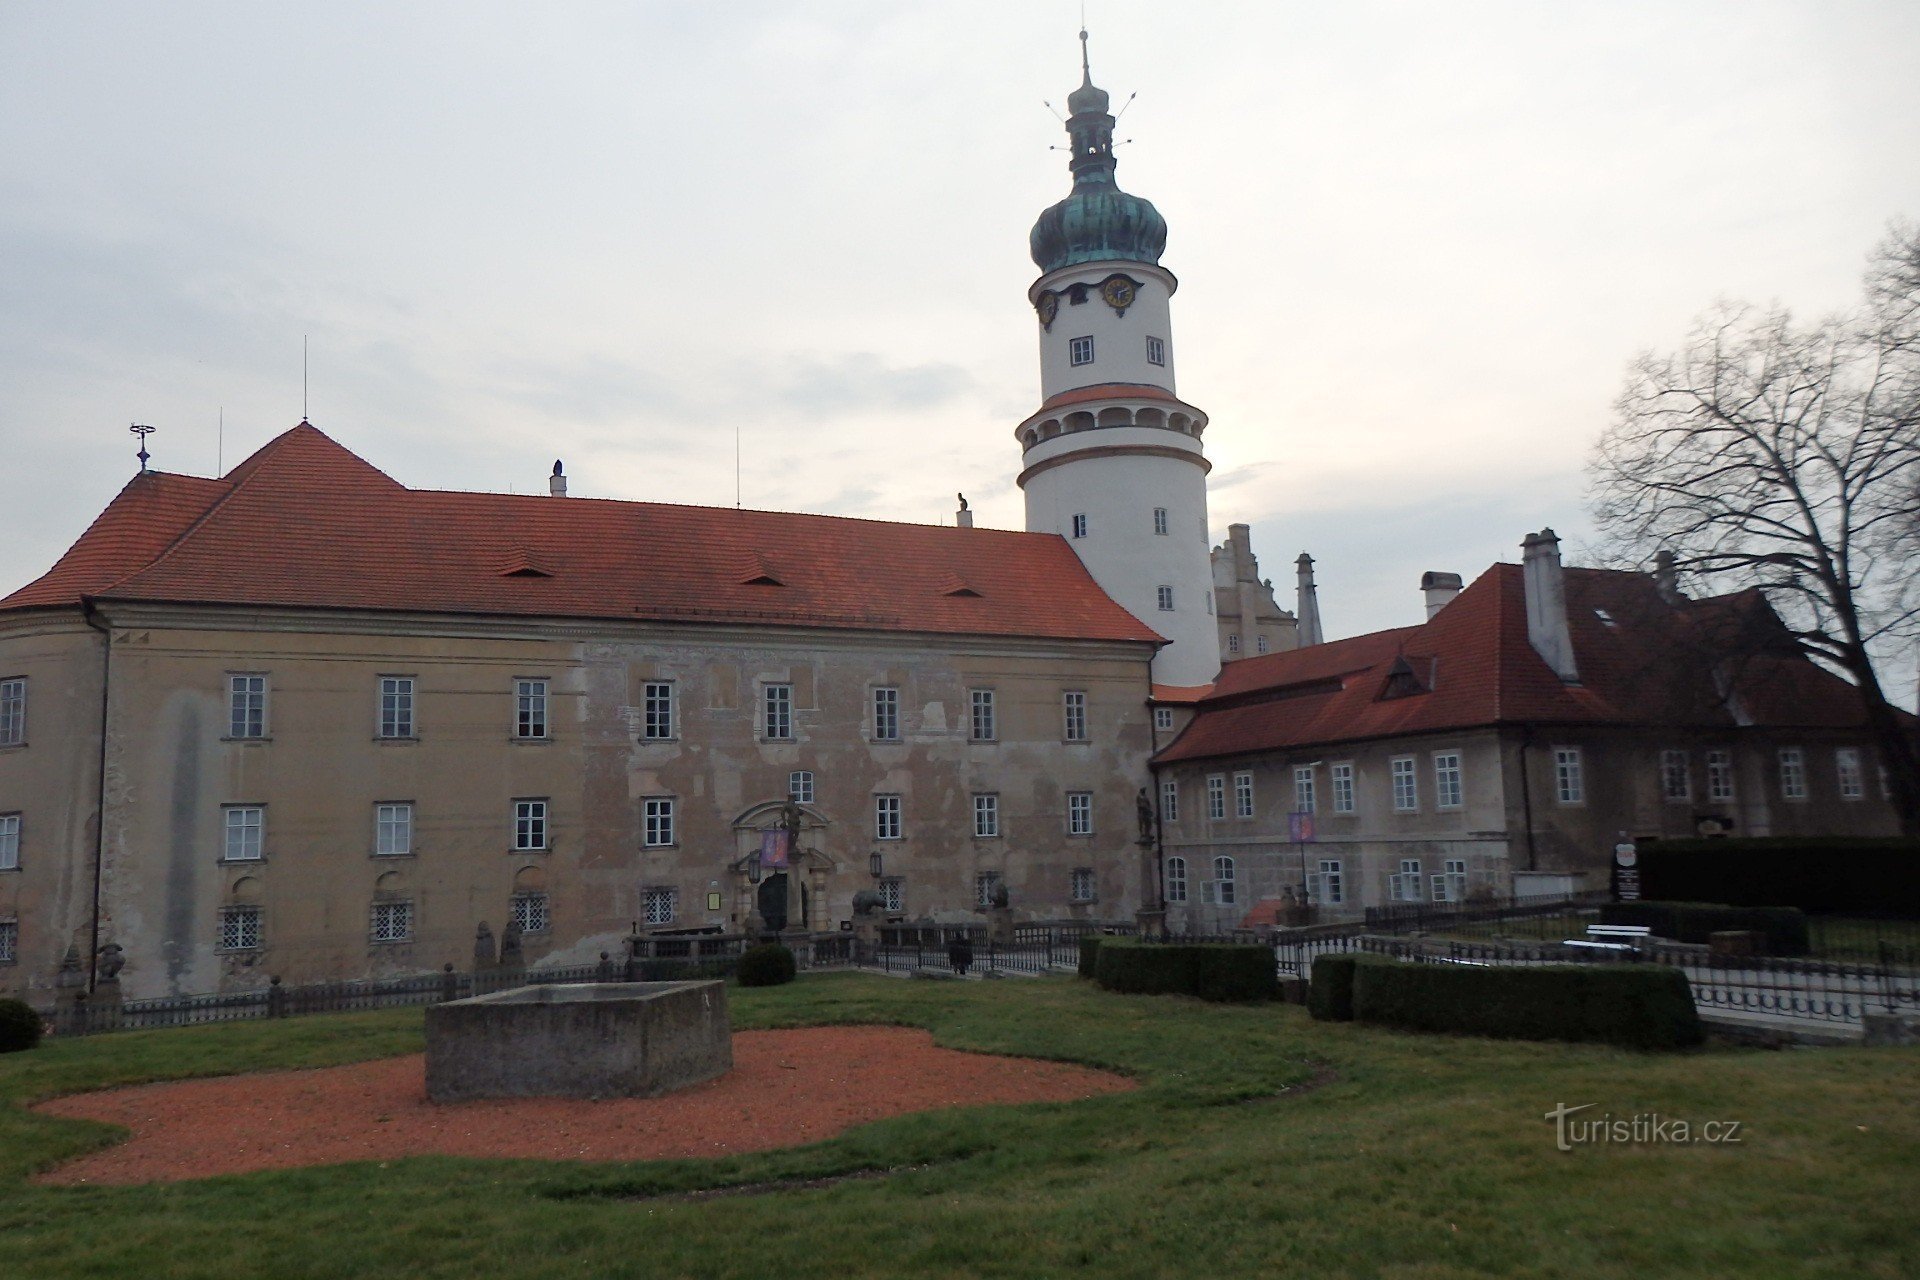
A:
[786,1088]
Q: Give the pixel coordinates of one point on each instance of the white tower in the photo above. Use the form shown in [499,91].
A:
[1112,459]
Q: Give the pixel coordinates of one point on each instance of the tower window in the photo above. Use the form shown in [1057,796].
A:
[1160,521]
[1165,595]
[1156,351]
[1080,350]
[1080,526]
[1233,644]
[1077,294]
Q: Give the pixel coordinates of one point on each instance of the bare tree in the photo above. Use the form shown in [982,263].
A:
[1771,453]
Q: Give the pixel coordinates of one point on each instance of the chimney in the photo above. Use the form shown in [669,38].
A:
[1546,592]
[1240,538]
[1307,613]
[557,486]
[963,518]
[1666,579]
[1439,588]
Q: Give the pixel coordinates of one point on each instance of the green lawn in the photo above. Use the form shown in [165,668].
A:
[1421,1157]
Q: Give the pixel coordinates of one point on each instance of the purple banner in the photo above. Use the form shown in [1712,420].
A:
[773,849]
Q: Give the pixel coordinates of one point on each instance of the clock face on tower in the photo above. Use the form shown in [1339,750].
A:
[1117,292]
[1048,306]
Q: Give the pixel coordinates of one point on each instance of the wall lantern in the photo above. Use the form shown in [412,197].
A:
[873,864]
[753,869]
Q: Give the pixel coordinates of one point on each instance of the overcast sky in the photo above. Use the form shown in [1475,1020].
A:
[1418,243]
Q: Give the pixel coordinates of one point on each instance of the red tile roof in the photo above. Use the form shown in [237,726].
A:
[304,523]
[1180,694]
[1641,659]
[1110,391]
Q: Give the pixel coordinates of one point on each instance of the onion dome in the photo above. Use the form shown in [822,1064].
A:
[1098,222]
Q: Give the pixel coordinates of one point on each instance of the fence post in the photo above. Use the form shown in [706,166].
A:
[276,998]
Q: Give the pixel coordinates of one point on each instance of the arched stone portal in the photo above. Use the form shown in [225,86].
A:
[802,887]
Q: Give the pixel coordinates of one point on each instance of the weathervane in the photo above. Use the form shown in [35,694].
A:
[143,433]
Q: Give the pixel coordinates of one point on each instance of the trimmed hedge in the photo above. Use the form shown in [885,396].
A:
[1857,876]
[1330,987]
[1636,1006]
[1211,970]
[766,965]
[19,1026]
[1785,927]
[1089,955]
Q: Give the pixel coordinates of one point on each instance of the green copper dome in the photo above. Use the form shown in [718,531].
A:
[1099,222]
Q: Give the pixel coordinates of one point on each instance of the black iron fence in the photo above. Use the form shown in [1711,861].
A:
[1489,917]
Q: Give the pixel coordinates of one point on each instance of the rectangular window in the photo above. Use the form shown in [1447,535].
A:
[981,725]
[1160,521]
[244,827]
[1176,879]
[1079,813]
[396,706]
[392,922]
[1407,884]
[1164,595]
[777,704]
[9,842]
[886,817]
[1406,787]
[800,786]
[246,706]
[660,904]
[239,929]
[1451,886]
[886,715]
[1163,718]
[1847,761]
[1170,801]
[1343,787]
[657,815]
[1081,884]
[1719,775]
[1156,350]
[531,912]
[1074,711]
[9,941]
[1243,795]
[656,710]
[1303,797]
[1332,886]
[529,709]
[1233,644]
[1569,777]
[1793,773]
[893,895]
[529,825]
[983,886]
[1225,891]
[1216,796]
[1080,350]
[13,712]
[392,830]
[1259,644]
[1080,526]
[986,816]
[1447,789]
[1676,776]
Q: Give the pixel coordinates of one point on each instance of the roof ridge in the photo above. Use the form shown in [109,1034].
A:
[544,499]
[177,538]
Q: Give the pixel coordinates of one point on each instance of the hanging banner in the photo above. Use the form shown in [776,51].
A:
[773,849]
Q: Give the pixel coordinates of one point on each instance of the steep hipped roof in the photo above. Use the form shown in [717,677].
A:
[304,523]
[1642,660]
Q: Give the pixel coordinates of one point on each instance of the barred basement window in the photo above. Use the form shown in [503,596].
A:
[886,715]
[240,929]
[1406,787]
[982,726]
[777,708]
[13,712]
[658,817]
[246,706]
[656,710]
[1176,879]
[660,905]
[530,912]
[983,886]
[1081,884]
[9,941]
[9,842]
[1676,776]
[245,824]
[1448,793]
[886,817]
[986,815]
[800,786]
[392,830]
[392,922]
[1074,708]
[1079,813]
[1343,787]
[396,706]
[530,709]
[529,825]
[893,895]
[1170,801]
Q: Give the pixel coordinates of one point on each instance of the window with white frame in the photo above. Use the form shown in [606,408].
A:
[1164,595]
[392,922]
[1080,351]
[1303,797]
[1233,644]
[800,786]
[1451,885]
[1328,885]
[1176,879]
[657,817]
[1720,775]
[1079,813]
[9,842]
[1080,884]
[886,817]
[893,895]
[1569,776]
[529,825]
[1163,718]
[1160,521]
[1406,787]
[656,710]
[886,715]
[247,706]
[1448,793]
[1156,350]
[983,886]
[776,703]
[1243,795]
[245,825]
[1342,775]
[9,941]
[1259,644]
[1676,775]
[1846,762]
[660,904]
[1080,525]
[13,711]
[529,709]
[239,929]
[1223,882]
[1170,801]
[1407,884]
[986,815]
[396,706]
[531,911]
[392,830]
[981,726]
[1216,796]
[1793,773]
[1073,709]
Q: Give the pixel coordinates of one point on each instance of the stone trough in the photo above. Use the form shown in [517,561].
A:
[592,1040]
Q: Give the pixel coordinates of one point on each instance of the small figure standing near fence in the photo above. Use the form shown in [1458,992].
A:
[960,955]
